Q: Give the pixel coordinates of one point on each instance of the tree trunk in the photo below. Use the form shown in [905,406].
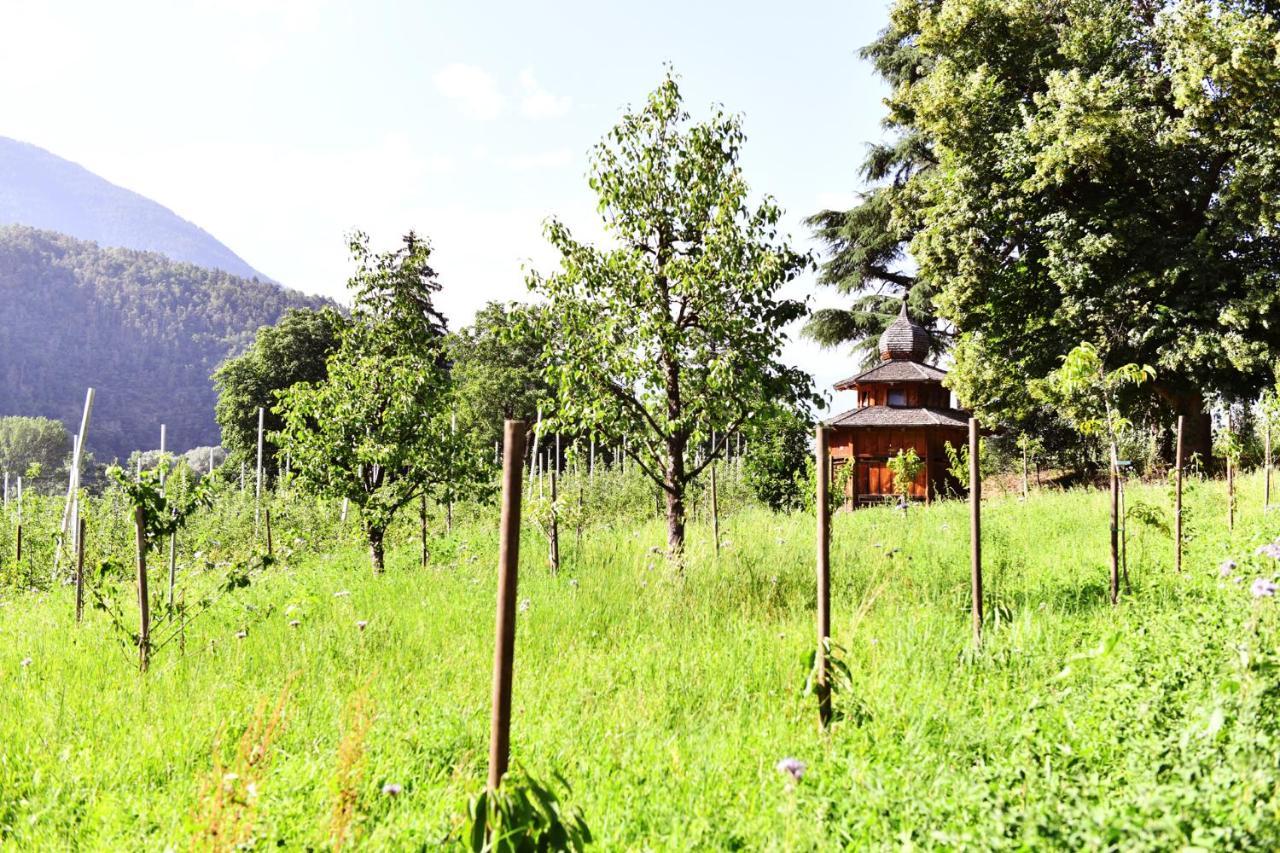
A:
[675,498]
[376,553]
[1198,424]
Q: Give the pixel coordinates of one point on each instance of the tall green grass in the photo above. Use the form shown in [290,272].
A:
[666,698]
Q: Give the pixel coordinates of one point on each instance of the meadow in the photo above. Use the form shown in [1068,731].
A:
[321,706]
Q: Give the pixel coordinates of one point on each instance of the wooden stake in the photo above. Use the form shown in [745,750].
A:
[1231,495]
[1025,485]
[422,519]
[1177,500]
[823,507]
[144,603]
[715,509]
[975,530]
[1266,477]
[80,572]
[1115,527]
[173,565]
[554,543]
[257,495]
[505,627]
[266,518]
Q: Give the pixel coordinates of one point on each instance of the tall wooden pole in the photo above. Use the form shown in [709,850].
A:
[80,572]
[18,544]
[715,509]
[257,495]
[505,627]
[422,525]
[1231,495]
[975,529]
[144,602]
[555,522]
[823,507]
[1266,464]
[1177,500]
[1115,526]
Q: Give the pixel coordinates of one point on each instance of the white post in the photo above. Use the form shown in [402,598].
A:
[591,472]
[162,433]
[346,502]
[6,490]
[210,461]
[19,500]
[257,499]
[533,457]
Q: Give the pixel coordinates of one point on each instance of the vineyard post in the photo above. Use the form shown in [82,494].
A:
[715,502]
[1124,541]
[1266,467]
[823,506]
[533,456]
[1231,495]
[80,572]
[448,510]
[257,495]
[266,519]
[6,491]
[422,527]
[1115,526]
[346,503]
[18,544]
[975,529]
[1026,488]
[210,463]
[555,523]
[162,474]
[144,604]
[505,627]
[1177,500]
[591,471]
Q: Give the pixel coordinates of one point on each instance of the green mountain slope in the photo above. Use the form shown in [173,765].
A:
[42,190]
[143,330]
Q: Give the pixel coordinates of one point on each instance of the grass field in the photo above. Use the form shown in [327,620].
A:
[666,700]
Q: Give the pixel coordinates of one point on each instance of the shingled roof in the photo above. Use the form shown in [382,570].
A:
[903,339]
[891,416]
[894,371]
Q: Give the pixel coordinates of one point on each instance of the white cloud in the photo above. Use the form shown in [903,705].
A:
[537,102]
[473,88]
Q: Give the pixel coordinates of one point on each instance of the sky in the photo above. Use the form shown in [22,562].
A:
[281,125]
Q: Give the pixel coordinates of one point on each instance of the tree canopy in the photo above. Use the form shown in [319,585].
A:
[673,332]
[1088,171]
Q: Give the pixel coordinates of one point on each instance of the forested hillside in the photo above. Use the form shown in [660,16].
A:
[42,190]
[145,331]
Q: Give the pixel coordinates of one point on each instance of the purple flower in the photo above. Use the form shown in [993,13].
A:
[1271,549]
[26,662]
[793,767]
[1263,588]
[391,789]
[1226,568]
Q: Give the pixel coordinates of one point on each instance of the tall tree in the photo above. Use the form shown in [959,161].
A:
[293,350]
[29,446]
[376,430]
[1105,173]
[674,331]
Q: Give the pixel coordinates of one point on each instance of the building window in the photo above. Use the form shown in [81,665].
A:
[897,397]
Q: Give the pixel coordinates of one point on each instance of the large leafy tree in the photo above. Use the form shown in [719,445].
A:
[673,331]
[28,446]
[1104,171]
[296,349]
[377,430]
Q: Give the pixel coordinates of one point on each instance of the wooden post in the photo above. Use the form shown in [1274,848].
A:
[715,509]
[422,520]
[257,495]
[173,565]
[1266,476]
[975,529]
[1025,485]
[1177,500]
[1231,495]
[1115,527]
[144,603]
[1124,541]
[823,507]
[266,520]
[554,544]
[505,627]
[80,572]
[18,547]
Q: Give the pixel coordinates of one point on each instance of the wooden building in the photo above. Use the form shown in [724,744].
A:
[900,403]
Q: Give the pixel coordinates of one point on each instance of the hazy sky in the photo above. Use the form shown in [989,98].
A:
[279,125]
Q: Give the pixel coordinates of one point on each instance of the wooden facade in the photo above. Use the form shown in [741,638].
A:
[901,404]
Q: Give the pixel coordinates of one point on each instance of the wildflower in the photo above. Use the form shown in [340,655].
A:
[341,593]
[573,582]
[1271,549]
[1263,588]
[362,624]
[391,789]
[525,604]
[793,767]
[26,662]
[241,634]
[294,623]
[1226,568]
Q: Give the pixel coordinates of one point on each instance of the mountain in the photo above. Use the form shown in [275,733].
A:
[143,330]
[42,190]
